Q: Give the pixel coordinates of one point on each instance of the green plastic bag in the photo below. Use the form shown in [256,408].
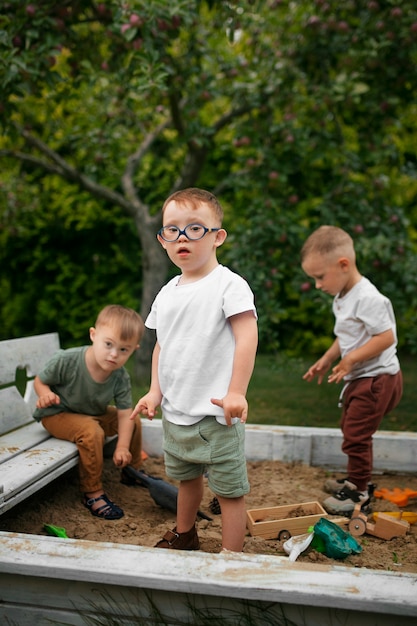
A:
[338,544]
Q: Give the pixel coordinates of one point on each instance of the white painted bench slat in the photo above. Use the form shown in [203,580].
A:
[30,352]
[26,473]
[14,412]
[42,480]
[29,466]
[21,439]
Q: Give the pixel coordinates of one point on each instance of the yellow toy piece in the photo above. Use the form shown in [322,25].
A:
[407,516]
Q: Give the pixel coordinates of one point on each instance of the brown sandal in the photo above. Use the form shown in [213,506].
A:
[180,541]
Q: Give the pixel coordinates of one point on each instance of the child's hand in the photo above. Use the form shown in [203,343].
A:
[122,457]
[319,368]
[47,399]
[147,405]
[233,405]
[340,370]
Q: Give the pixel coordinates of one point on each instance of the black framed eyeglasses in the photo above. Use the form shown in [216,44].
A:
[191,231]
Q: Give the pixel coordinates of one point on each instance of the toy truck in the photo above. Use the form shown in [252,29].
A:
[282,522]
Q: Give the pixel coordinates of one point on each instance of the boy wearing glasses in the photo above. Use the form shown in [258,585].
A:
[205,322]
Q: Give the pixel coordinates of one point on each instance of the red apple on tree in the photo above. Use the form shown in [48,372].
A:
[31,10]
[135,20]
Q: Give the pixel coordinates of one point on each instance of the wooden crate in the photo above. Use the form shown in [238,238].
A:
[282,522]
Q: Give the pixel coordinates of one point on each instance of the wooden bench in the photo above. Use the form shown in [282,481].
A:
[29,457]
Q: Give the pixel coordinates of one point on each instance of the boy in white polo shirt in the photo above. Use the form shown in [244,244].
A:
[366,341]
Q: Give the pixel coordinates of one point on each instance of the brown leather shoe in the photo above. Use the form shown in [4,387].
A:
[180,541]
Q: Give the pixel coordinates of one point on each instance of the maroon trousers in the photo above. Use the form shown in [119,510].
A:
[365,402]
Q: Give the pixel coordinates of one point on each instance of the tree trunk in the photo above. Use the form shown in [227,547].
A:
[155,265]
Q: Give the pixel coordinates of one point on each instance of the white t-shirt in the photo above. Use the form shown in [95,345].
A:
[197,342]
[360,314]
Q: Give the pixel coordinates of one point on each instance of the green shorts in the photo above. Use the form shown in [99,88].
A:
[192,450]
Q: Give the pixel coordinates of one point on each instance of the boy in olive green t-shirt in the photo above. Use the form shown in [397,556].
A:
[75,388]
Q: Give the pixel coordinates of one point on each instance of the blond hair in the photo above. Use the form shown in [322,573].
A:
[195,197]
[328,240]
[129,323]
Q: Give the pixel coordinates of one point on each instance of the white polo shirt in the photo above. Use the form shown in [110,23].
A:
[361,313]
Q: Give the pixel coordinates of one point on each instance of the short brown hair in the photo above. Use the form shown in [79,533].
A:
[328,240]
[129,322]
[195,197]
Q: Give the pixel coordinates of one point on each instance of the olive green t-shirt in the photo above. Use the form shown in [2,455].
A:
[67,375]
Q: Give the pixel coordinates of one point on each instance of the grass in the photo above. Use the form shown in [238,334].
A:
[278,395]
[141,609]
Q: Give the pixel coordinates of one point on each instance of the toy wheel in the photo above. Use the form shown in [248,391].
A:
[357,526]
[283,535]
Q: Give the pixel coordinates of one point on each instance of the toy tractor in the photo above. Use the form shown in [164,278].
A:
[385,527]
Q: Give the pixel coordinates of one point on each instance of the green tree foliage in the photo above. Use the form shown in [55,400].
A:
[294,113]
[333,150]
[63,257]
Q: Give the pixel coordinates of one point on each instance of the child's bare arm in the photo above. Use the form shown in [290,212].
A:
[371,349]
[245,331]
[122,455]
[46,397]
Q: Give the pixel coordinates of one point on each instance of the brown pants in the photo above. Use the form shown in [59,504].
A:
[366,401]
[89,433]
